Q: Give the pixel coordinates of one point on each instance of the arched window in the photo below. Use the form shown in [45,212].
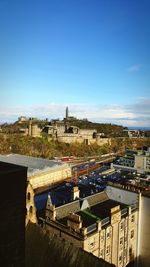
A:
[31,209]
[28,196]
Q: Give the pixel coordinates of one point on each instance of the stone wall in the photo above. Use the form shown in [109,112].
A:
[50,177]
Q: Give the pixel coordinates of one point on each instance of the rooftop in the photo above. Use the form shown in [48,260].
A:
[93,213]
[34,165]
[103,210]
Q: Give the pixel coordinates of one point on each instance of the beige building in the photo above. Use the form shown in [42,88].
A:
[83,136]
[66,133]
[142,163]
[62,132]
[41,174]
[143,231]
[99,225]
[22,119]
[34,130]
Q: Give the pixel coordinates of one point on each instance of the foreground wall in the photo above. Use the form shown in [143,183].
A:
[12,214]
[144,232]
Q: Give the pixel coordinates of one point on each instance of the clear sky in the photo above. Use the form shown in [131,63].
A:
[90,55]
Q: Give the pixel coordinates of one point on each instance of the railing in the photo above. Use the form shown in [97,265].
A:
[105,221]
[91,228]
[124,211]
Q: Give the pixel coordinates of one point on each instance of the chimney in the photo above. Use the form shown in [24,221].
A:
[75,193]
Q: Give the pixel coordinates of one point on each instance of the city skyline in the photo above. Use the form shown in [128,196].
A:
[92,56]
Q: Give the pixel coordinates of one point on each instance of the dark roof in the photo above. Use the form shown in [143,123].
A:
[75,206]
[86,218]
[103,210]
[58,196]
[94,213]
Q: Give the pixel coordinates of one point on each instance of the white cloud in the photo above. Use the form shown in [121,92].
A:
[135,68]
[137,114]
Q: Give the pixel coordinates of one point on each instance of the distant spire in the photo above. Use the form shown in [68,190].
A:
[49,200]
[67,112]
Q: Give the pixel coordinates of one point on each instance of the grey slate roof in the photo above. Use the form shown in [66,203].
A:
[35,165]
[76,205]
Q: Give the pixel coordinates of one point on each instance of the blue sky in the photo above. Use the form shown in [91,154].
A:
[91,55]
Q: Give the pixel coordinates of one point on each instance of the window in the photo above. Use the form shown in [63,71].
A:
[108,250]
[125,254]
[121,225]
[132,234]
[92,243]
[28,196]
[101,253]
[132,218]
[120,258]
[121,241]
[102,236]
[31,209]
[130,251]
[108,234]
[125,238]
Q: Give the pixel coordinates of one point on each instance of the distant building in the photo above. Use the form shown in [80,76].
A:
[12,213]
[22,119]
[129,159]
[138,160]
[136,134]
[142,161]
[74,134]
[33,130]
[63,131]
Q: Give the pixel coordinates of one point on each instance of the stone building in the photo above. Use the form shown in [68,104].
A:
[62,131]
[69,255]
[138,160]
[88,136]
[12,214]
[22,119]
[41,174]
[142,161]
[98,224]
[33,129]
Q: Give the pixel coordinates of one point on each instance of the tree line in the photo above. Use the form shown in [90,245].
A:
[48,148]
